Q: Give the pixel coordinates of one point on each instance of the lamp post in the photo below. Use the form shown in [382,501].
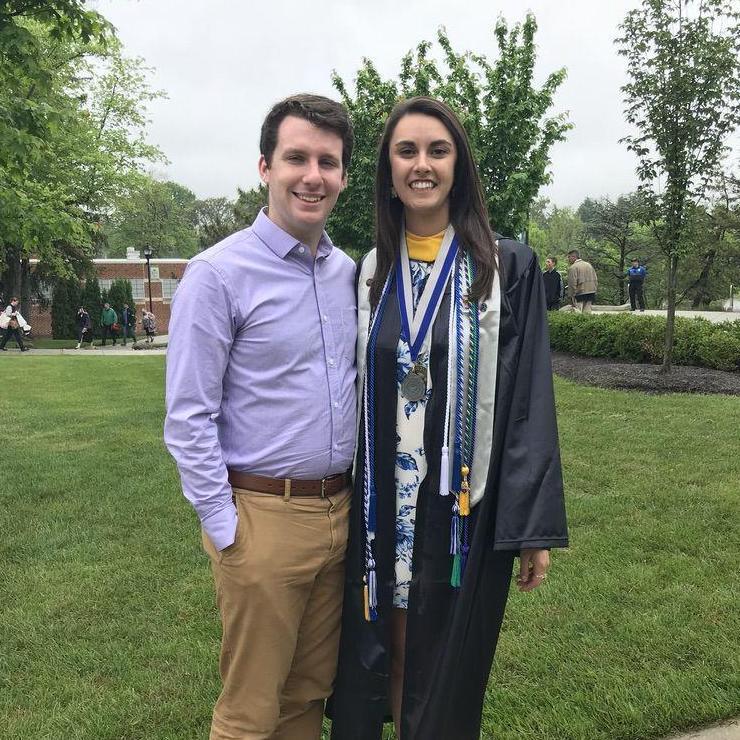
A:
[148,256]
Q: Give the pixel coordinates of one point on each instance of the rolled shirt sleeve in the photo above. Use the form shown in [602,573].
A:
[201,332]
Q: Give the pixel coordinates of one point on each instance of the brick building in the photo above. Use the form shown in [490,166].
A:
[165,276]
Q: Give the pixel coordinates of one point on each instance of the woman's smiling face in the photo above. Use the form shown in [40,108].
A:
[422,157]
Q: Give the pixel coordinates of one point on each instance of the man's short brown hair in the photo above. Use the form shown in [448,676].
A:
[322,112]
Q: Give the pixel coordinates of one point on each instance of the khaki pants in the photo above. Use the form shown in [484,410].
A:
[279,589]
[583,302]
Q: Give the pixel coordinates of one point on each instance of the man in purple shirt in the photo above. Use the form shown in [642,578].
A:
[261,422]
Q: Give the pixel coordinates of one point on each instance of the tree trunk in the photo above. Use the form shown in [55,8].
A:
[12,274]
[671,316]
[622,258]
[702,296]
[25,291]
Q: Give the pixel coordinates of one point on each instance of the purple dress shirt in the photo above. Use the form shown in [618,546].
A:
[260,367]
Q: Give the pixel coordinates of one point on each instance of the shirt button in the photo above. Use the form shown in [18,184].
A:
[301,249]
[331,362]
[324,318]
[336,404]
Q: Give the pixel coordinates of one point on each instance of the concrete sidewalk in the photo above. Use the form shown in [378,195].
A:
[110,350]
[716,317]
[725,731]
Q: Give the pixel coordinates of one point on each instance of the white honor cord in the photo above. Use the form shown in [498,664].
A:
[365,406]
[366,500]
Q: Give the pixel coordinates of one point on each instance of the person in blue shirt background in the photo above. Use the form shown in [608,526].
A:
[635,278]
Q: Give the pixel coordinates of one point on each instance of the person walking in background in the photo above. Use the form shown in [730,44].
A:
[13,323]
[108,320]
[84,327]
[553,284]
[149,325]
[582,282]
[128,323]
[636,275]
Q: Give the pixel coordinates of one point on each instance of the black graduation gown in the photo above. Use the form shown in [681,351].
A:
[451,634]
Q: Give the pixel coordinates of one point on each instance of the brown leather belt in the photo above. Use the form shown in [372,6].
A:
[288,487]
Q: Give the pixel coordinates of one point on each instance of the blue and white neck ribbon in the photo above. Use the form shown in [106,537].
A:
[415,326]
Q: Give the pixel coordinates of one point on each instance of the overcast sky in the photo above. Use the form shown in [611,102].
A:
[223,63]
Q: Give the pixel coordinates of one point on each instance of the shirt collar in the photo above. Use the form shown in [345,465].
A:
[281,242]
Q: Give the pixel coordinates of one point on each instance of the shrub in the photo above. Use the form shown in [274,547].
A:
[719,350]
[640,338]
[64,305]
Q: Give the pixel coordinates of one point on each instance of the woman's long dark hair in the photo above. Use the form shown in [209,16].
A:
[468,214]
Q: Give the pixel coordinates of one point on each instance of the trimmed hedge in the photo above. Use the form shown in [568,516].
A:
[640,338]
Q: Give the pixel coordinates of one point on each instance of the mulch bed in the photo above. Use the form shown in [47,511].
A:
[607,373]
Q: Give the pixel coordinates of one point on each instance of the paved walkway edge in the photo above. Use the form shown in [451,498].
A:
[729,730]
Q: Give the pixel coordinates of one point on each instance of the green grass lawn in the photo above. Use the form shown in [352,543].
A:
[46,343]
[108,626]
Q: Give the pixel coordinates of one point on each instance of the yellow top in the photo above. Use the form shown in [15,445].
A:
[424,248]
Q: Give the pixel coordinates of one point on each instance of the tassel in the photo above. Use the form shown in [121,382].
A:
[372,593]
[444,473]
[455,578]
[454,532]
[464,492]
[366,599]
[373,590]
[464,503]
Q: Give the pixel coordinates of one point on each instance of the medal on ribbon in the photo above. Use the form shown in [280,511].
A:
[416,325]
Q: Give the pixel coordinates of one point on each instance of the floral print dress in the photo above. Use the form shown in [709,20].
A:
[411,463]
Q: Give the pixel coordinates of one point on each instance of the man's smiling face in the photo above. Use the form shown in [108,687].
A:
[304,177]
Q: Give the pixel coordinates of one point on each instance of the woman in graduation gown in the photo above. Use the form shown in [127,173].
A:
[458,466]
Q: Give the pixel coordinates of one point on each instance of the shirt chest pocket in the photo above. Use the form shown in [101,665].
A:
[344,330]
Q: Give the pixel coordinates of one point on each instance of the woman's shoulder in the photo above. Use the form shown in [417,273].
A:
[515,257]
[369,257]
[367,262]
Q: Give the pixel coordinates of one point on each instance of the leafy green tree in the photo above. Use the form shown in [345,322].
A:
[155,214]
[248,204]
[683,99]
[120,292]
[504,114]
[214,220]
[714,262]
[351,223]
[64,305]
[71,132]
[555,232]
[92,300]
[614,236]
[538,211]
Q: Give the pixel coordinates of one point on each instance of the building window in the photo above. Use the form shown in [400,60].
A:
[137,289]
[169,286]
[105,284]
